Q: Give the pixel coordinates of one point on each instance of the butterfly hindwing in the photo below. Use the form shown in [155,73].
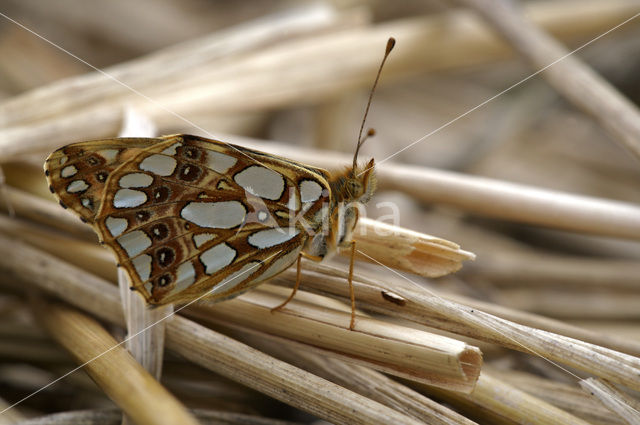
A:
[187,215]
[77,173]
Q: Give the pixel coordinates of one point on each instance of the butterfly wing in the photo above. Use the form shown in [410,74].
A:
[187,216]
[77,173]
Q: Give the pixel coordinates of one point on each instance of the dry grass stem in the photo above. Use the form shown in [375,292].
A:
[367,382]
[86,254]
[100,262]
[610,340]
[570,77]
[147,347]
[406,250]
[201,345]
[350,56]
[409,353]
[275,378]
[440,361]
[570,398]
[415,303]
[167,65]
[497,402]
[12,416]
[145,326]
[331,281]
[113,368]
[535,269]
[562,303]
[516,202]
[112,417]
[41,211]
[618,402]
[397,350]
[403,351]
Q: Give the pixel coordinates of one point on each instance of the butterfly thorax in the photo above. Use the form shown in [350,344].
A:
[349,191]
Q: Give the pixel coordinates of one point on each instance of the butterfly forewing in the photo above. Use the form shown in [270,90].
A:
[187,215]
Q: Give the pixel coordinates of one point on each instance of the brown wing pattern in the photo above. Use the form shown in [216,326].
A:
[186,215]
[77,173]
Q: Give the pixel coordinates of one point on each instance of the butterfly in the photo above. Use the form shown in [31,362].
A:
[189,217]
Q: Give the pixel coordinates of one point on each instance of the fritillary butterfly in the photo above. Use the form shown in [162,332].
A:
[188,216]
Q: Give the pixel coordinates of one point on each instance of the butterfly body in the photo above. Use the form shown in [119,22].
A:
[188,216]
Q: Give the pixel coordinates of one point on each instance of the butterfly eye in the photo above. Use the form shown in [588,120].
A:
[354,188]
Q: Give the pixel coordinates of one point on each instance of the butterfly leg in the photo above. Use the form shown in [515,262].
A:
[352,324]
[295,287]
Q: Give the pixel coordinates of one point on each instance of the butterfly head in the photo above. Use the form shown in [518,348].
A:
[355,185]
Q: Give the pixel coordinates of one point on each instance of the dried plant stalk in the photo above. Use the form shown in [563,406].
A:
[438,360]
[406,250]
[111,417]
[146,326]
[564,304]
[402,351]
[409,353]
[168,64]
[415,303]
[101,262]
[573,79]
[199,344]
[539,270]
[484,196]
[276,378]
[11,416]
[621,404]
[348,56]
[610,340]
[330,280]
[113,368]
[567,397]
[365,381]
[41,211]
[501,400]
[394,349]
[87,254]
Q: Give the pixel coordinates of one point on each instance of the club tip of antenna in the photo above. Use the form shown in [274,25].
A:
[390,43]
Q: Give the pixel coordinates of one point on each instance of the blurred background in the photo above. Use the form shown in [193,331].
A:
[299,73]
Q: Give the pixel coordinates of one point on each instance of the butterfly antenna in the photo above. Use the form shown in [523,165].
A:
[390,43]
